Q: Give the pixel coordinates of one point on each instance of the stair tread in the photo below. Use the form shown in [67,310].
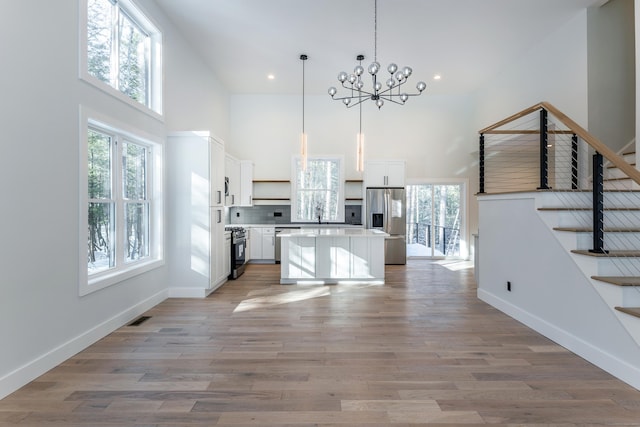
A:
[634,311]
[619,280]
[610,254]
[590,229]
[587,209]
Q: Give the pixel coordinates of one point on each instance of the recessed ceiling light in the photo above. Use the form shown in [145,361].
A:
[437,77]
[271,76]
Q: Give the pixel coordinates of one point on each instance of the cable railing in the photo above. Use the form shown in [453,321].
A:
[541,149]
[446,240]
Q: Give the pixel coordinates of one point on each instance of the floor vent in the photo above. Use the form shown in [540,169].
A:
[139,321]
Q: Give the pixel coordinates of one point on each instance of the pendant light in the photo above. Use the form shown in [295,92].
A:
[360,145]
[378,93]
[303,137]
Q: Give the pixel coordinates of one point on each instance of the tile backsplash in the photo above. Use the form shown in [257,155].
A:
[281,214]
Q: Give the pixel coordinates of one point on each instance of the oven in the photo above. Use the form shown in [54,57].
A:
[238,251]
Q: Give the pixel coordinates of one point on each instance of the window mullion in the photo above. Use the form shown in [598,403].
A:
[115,47]
[119,201]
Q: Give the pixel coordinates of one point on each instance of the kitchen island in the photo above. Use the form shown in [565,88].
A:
[332,255]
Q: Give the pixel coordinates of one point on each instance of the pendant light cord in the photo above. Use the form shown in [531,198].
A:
[375,30]
[303,58]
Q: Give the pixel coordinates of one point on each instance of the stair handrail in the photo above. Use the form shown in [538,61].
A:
[591,140]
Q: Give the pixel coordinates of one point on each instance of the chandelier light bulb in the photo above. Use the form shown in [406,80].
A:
[404,97]
[400,76]
[392,68]
[359,84]
[377,86]
[390,82]
[333,91]
[379,103]
[352,78]
[359,70]
[346,101]
[407,71]
[421,86]
[342,77]
[374,68]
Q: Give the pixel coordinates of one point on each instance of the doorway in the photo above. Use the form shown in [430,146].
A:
[435,220]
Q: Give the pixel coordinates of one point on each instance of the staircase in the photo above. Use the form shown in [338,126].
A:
[563,250]
[615,275]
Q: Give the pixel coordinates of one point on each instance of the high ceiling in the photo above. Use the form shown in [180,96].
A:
[465,41]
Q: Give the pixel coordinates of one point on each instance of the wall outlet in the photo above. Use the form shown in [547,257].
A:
[509,286]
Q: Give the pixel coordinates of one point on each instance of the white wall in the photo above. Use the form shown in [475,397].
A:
[555,70]
[611,72]
[549,292]
[42,319]
[431,132]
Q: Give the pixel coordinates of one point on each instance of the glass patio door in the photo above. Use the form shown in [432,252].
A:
[434,220]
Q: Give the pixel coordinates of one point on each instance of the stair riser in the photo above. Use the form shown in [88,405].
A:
[618,219]
[618,266]
[583,199]
[626,184]
[612,241]
[615,173]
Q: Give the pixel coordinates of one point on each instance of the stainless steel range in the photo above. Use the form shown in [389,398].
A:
[238,251]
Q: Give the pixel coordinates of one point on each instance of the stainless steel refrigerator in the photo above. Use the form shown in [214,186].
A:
[386,211]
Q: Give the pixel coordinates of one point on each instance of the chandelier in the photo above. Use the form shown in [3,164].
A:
[392,90]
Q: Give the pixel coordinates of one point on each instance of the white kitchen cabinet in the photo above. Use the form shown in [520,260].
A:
[255,245]
[232,173]
[246,183]
[216,181]
[227,253]
[366,261]
[300,254]
[195,241]
[220,264]
[384,173]
[269,244]
[333,257]
[262,243]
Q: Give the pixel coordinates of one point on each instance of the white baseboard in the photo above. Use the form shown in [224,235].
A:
[33,369]
[188,292]
[618,368]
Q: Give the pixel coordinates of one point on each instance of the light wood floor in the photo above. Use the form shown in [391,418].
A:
[421,349]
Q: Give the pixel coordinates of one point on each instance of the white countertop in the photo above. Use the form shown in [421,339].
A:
[332,232]
[305,225]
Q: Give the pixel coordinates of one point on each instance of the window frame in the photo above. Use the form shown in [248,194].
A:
[123,269]
[154,89]
[295,160]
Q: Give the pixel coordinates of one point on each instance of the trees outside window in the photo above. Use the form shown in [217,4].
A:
[318,191]
[119,206]
[434,220]
[122,50]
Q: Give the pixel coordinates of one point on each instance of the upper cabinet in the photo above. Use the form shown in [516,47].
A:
[232,181]
[216,163]
[246,183]
[384,173]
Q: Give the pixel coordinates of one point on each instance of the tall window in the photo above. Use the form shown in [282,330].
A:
[122,50]
[318,191]
[120,203]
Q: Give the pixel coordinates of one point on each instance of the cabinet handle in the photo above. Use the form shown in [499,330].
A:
[219,197]
[219,216]
[233,199]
